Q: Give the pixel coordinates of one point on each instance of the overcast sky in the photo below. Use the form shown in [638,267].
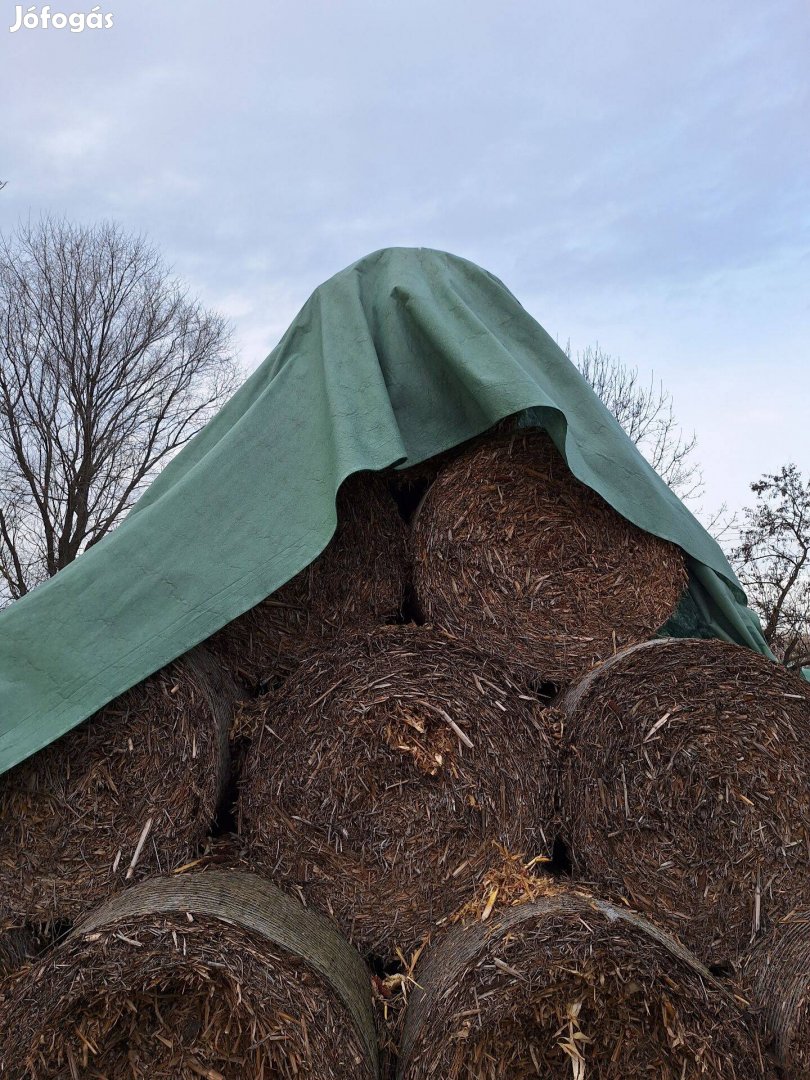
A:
[637,174]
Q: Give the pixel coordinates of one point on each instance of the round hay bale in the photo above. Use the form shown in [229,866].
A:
[386,773]
[778,972]
[567,985]
[216,975]
[514,553]
[358,581]
[132,790]
[686,787]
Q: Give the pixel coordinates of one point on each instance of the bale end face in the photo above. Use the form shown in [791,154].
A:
[567,985]
[514,553]
[686,788]
[777,971]
[215,975]
[357,582]
[386,773]
[132,790]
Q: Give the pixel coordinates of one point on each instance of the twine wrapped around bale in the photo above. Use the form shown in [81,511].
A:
[358,581]
[555,982]
[132,790]
[514,553]
[217,975]
[778,973]
[686,787]
[385,774]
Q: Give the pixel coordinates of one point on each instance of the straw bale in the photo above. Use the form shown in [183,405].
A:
[132,790]
[514,553]
[358,581]
[686,788]
[561,983]
[216,975]
[387,772]
[777,971]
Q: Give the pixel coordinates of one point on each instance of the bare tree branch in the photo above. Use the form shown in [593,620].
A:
[107,368]
[772,560]
[646,412]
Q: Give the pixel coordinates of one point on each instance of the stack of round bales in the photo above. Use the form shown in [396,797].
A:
[131,791]
[357,582]
[385,774]
[544,981]
[514,554]
[389,770]
[215,975]
[686,788]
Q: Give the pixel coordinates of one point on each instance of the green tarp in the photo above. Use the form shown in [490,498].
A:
[404,354]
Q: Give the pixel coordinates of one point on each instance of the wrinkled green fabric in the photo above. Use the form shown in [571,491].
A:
[401,356]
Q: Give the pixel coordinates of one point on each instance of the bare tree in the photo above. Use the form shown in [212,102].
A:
[772,560]
[106,369]
[645,411]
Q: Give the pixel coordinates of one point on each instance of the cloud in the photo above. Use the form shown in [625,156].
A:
[64,146]
[636,174]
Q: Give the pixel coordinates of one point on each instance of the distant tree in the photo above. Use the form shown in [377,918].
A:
[107,367]
[772,560]
[645,410]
